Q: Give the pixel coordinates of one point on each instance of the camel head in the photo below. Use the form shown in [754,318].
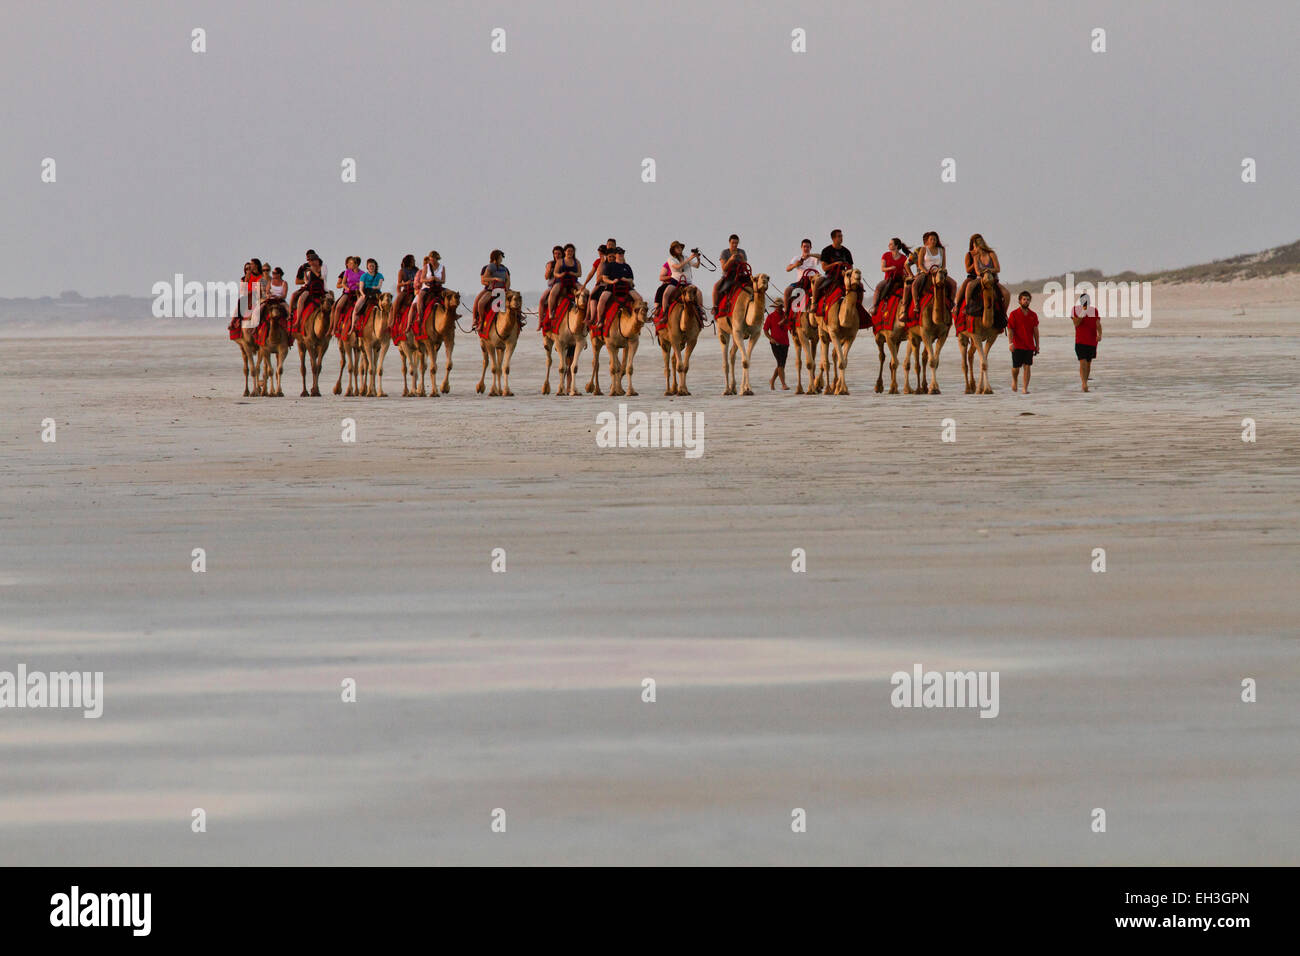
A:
[386,301]
[639,312]
[852,279]
[514,301]
[450,300]
[988,283]
[690,295]
[580,299]
[328,304]
[760,284]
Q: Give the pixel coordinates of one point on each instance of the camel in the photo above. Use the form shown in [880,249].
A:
[409,349]
[349,352]
[550,340]
[932,330]
[985,329]
[622,341]
[891,331]
[313,338]
[439,333]
[499,345]
[375,337]
[807,336]
[740,331]
[276,316]
[677,340]
[569,340]
[598,341]
[248,351]
[841,324]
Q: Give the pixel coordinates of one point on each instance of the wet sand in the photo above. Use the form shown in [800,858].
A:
[522,691]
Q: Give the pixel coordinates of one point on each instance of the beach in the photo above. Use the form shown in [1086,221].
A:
[477,690]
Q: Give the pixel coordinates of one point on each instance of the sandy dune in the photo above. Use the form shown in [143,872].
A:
[523,690]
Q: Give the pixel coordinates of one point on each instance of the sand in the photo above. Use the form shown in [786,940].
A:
[523,690]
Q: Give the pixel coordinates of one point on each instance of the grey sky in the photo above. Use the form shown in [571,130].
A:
[170,161]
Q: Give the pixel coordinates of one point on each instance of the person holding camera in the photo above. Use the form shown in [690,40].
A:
[803,263]
[676,272]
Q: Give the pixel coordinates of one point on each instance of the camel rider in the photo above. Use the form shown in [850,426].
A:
[372,283]
[492,276]
[313,283]
[729,260]
[980,259]
[603,283]
[303,271]
[431,279]
[614,273]
[566,272]
[254,285]
[929,258]
[674,274]
[896,264]
[279,289]
[804,262]
[835,253]
[557,253]
[602,251]
[406,274]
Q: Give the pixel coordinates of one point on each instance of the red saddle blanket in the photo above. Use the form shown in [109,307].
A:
[830,298]
[489,316]
[343,315]
[551,323]
[236,332]
[883,318]
[614,303]
[728,300]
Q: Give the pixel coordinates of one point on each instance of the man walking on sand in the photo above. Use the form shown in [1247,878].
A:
[1087,333]
[1022,339]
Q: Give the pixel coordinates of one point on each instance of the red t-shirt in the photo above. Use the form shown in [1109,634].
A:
[777,328]
[1021,325]
[1085,333]
[897,263]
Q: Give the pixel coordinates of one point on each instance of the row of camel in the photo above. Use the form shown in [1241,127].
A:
[822,343]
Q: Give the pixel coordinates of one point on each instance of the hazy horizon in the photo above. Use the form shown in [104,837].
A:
[172,161]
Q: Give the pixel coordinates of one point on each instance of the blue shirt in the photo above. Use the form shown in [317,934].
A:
[375,281]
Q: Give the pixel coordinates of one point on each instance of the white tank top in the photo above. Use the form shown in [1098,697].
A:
[933,259]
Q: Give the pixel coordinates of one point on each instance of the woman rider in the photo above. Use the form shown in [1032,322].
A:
[557,253]
[406,274]
[279,288]
[896,265]
[931,256]
[565,275]
[492,276]
[372,283]
[432,277]
[979,260]
[676,272]
[603,283]
[601,252]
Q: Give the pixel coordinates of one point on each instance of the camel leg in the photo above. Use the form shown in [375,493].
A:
[403,351]
[343,366]
[377,383]
[630,357]
[505,367]
[844,366]
[446,374]
[593,386]
[985,387]
[302,363]
[670,369]
[615,373]
[684,367]
[480,388]
[933,348]
[747,349]
[546,386]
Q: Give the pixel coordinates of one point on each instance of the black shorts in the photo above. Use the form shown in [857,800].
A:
[1021,357]
[780,351]
[1085,353]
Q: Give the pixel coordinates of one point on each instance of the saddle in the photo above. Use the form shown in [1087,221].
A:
[343,311]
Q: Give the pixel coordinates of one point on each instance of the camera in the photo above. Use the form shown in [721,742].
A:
[695,251]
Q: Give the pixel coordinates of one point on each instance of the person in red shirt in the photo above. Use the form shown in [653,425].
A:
[1087,333]
[896,265]
[777,329]
[1022,337]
